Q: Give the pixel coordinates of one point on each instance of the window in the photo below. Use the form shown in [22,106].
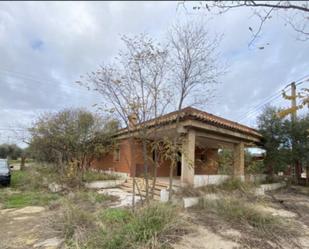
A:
[117,154]
[203,157]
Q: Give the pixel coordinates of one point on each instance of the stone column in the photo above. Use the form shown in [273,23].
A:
[239,160]
[187,158]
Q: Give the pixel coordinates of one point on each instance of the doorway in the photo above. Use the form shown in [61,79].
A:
[178,168]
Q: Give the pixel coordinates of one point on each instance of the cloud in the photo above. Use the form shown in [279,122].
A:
[46,46]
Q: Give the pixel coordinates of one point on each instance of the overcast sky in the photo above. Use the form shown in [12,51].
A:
[46,46]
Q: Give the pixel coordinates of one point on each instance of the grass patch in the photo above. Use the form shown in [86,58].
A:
[26,198]
[90,176]
[27,189]
[33,178]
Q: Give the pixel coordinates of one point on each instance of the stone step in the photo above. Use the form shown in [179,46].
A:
[158,183]
[142,188]
[142,193]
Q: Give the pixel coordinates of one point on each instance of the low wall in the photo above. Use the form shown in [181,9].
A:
[120,174]
[193,201]
[203,180]
[255,178]
[104,184]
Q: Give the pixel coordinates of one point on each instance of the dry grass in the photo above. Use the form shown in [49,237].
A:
[156,226]
[259,228]
[231,185]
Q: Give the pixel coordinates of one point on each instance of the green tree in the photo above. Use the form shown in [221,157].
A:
[296,143]
[11,151]
[272,129]
[71,136]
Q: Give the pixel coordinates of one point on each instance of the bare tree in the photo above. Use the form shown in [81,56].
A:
[132,86]
[293,13]
[195,68]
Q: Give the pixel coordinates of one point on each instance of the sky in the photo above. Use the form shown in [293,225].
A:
[46,46]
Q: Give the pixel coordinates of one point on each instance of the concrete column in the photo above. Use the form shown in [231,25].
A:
[239,160]
[188,158]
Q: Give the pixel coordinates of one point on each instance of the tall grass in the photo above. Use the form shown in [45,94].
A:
[119,228]
[124,229]
[239,213]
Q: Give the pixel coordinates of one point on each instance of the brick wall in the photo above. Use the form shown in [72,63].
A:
[205,161]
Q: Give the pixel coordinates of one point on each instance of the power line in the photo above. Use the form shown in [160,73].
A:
[263,103]
[271,98]
[33,79]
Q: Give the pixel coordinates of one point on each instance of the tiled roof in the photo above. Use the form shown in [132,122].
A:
[190,113]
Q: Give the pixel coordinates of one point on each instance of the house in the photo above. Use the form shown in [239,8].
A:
[203,135]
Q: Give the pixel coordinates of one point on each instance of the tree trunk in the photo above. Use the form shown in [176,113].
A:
[270,171]
[22,163]
[155,166]
[307,175]
[146,171]
[297,171]
[171,181]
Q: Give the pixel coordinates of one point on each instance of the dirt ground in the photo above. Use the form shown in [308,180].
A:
[210,232]
[24,228]
[27,227]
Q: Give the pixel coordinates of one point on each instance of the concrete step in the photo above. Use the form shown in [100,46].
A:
[158,183]
[142,193]
[142,188]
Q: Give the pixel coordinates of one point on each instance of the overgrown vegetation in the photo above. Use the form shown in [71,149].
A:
[286,142]
[11,151]
[149,227]
[247,217]
[228,186]
[90,175]
[30,187]
[71,139]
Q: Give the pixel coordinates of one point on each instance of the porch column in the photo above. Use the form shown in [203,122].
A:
[187,158]
[239,160]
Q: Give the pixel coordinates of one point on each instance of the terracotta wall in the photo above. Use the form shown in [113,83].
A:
[204,165]
[206,161]
[107,162]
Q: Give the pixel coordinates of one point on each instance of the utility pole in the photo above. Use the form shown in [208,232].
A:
[297,165]
[293,102]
